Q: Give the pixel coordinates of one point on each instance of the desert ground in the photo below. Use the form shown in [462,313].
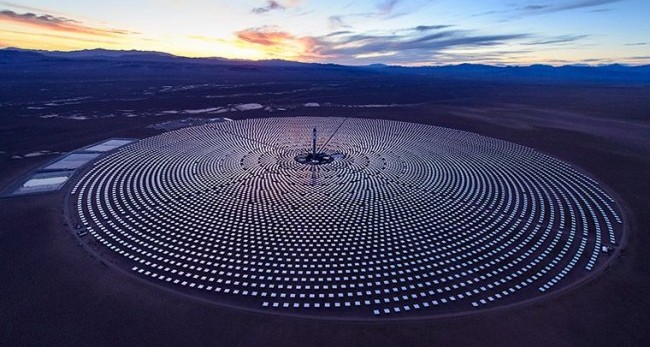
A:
[53,292]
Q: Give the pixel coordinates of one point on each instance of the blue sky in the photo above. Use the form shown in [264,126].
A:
[406,32]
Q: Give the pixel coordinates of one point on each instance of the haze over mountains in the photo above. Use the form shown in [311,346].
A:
[23,63]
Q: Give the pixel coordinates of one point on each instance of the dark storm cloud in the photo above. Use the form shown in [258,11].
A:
[271,5]
[47,21]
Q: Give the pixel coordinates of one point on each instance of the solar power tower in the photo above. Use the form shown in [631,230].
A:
[313,144]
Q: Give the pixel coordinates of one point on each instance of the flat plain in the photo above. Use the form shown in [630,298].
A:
[53,292]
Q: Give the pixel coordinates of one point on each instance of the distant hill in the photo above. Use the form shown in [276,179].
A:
[93,53]
[100,62]
[135,55]
[541,73]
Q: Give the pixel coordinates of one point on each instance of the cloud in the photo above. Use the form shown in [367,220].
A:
[386,7]
[264,36]
[336,22]
[430,27]
[408,44]
[562,39]
[640,57]
[271,5]
[33,18]
[23,7]
[382,11]
[420,44]
[514,11]
[338,33]
[498,57]
[46,21]
[584,4]
[93,40]
[281,44]
[535,7]
[565,6]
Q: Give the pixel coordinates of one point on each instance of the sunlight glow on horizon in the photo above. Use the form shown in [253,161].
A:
[406,32]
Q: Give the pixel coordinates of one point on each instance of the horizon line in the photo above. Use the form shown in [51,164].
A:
[163,53]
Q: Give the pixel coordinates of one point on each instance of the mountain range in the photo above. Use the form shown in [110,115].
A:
[101,61]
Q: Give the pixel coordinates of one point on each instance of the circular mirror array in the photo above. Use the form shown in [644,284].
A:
[407,220]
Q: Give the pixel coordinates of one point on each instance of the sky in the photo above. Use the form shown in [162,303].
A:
[361,32]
